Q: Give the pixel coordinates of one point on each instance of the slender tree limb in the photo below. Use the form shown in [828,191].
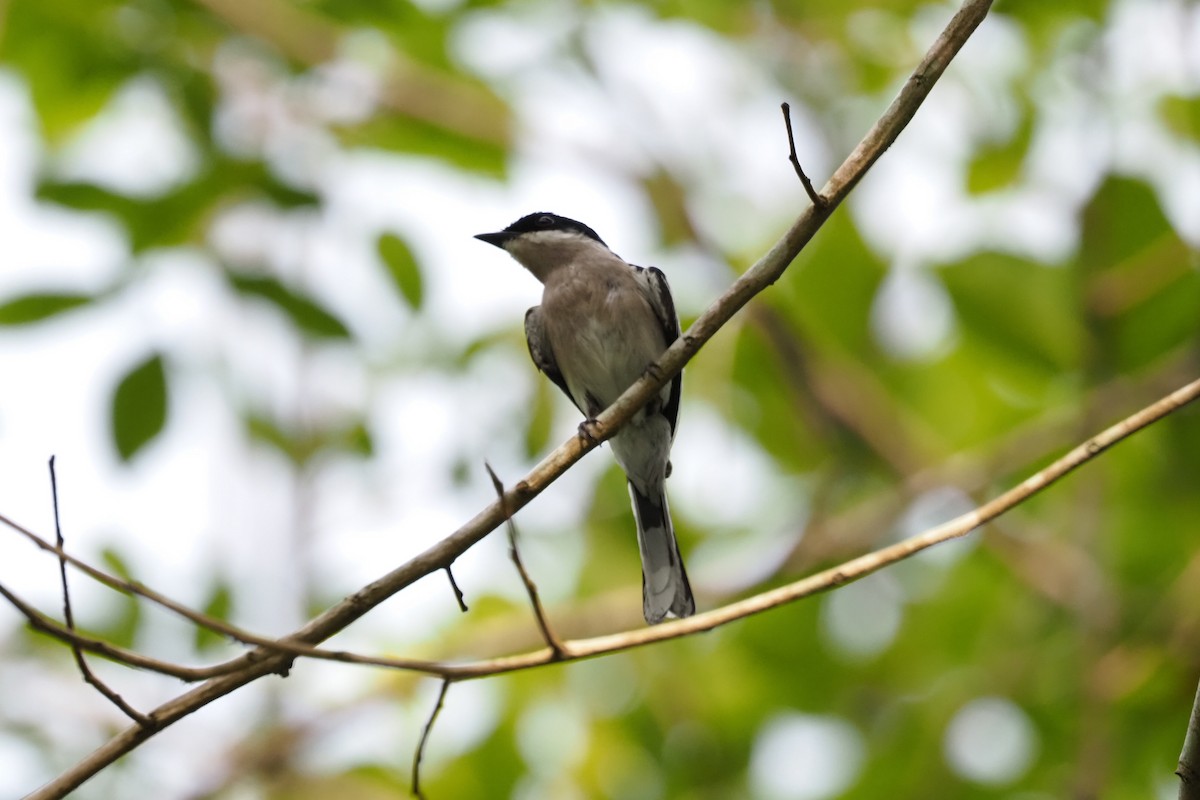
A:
[89,677]
[420,751]
[814,584]
[1189,759]
[44,624]
[539,613]
[813,195]
[765,272]
[140,590]
[847,572]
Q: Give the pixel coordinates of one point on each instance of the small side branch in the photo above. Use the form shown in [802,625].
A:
[458,595]
[555,644]
[417,756]
[69,617]
[1189,759]
[817,199]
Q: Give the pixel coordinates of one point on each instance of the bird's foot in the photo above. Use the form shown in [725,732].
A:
[587,432]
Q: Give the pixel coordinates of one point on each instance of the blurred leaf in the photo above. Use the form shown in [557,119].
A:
[358,440]
[139,407]
[405,135]
[296,448]
[1122,219]
[998,166]
[830,290]
[122,628]
[37,307]
[218,606]
[181,215]
[1181,114]
[1141,278]
[1028,310]
[670,206]
[72,68]
[301,446]
[402,268]
[304,312]
[541,417]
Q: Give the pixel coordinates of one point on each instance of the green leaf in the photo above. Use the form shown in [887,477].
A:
[122,628]
[1181,114]
[139,407]
[39,306]
[405,135]
[218,606]
[541,417]
[1026,310]
[402,268]
[998,165]
[310,317]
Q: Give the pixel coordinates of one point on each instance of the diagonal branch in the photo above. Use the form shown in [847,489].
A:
[765,272]
[826,580]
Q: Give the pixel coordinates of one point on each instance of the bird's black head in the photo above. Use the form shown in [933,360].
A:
[541,221]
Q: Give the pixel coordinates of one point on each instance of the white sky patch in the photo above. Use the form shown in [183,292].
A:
[861,619]
[912,316]
[991,740]
[805,757]
[136,146]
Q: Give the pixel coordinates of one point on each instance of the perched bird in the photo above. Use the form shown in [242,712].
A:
[601,324]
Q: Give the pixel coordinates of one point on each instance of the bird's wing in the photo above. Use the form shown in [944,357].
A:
[541,353]
[659,295]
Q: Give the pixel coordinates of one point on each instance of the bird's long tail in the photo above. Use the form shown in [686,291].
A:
[665,589]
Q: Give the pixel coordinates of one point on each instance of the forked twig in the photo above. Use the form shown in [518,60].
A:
[69,617]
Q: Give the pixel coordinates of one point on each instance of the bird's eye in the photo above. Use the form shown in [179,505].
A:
[545,220]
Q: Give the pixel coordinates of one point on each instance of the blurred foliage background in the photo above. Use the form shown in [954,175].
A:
[239,299]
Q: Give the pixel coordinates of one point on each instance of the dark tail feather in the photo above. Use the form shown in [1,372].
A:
[665,589]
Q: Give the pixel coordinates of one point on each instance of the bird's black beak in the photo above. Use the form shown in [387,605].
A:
[497,239]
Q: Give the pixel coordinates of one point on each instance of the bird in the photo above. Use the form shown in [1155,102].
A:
[601,324]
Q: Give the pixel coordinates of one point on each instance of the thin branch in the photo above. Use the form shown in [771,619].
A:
[1189,758]
[69,617]
[813,195]
[44,624]
[847,572]
[138,589]
[552,641]
[416,767]
[765,272]
[458,595]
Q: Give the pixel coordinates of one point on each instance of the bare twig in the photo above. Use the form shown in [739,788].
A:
[69,617]
[552,641]
[1189,759]
[813,195]
[458,595]
[765,272]
[416,767]
[40,622]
